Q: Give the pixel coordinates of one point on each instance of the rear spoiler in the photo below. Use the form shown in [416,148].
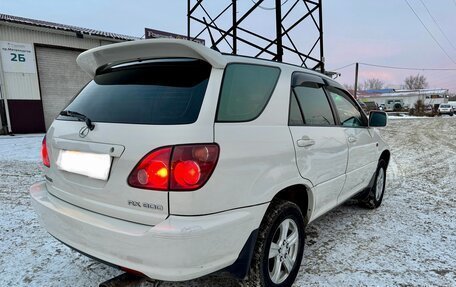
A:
[113,54]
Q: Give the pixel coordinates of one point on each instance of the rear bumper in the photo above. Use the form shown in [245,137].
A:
[179,248]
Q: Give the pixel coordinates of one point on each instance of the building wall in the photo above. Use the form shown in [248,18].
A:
[408,100]
[57,66]
[23,89]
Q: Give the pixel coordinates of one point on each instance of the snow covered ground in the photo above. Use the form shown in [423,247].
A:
[409,241]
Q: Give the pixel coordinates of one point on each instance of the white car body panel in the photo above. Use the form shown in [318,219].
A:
[323,163]
[361,166]
[179,248]
[326,158]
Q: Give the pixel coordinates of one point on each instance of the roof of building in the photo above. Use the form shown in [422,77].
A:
[378,91]
[405,93]
[63,27]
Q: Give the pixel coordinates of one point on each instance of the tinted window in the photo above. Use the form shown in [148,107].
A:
[314,105]
[245,91]
[349,113]
[295,113]
[158,92]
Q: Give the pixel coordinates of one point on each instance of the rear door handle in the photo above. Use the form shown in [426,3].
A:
[305,142]
[352,139]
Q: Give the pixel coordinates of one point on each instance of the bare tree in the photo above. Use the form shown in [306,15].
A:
[373,84]
[416,82]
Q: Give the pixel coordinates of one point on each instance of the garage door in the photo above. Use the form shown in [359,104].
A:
[60,79]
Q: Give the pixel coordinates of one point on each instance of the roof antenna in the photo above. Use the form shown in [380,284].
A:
[214,46]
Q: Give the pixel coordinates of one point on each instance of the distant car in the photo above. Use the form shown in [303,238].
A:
[428,109]
[453,104]
[363,106]
[371,106]
[381,107]
[445,109]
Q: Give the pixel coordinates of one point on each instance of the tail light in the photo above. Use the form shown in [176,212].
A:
[152,172]
[182,167]
[45,153]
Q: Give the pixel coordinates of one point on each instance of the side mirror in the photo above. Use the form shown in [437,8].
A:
[378,119]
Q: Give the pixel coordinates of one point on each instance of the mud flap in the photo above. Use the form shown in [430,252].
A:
[241,266]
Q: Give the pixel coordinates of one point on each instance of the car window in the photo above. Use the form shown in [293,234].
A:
[162,92]
[314,105]
[245,91]
[349,114]
[295,118]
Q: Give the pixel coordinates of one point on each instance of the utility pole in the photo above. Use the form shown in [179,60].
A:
[278,10]
[356,80]
[234,27]
[322,57]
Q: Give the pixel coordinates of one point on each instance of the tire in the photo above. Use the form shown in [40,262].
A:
[374,197]
[263,271]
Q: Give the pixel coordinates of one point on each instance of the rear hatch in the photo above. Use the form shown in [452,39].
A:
[136,108]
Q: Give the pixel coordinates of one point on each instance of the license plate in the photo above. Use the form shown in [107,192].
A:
[89,164]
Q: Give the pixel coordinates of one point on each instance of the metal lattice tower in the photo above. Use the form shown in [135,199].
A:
[297,20]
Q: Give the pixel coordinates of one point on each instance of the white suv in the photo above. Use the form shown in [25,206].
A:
[445,109]
[177,161]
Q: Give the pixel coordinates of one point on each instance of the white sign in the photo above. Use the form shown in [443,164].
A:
[17,57]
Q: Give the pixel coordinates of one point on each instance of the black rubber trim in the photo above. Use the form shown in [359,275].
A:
[48,178]
[88,255]
[240,267]
[365,191]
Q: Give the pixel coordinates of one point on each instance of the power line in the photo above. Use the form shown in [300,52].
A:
[346,66]
[437,24]
[430,33]
[407,68]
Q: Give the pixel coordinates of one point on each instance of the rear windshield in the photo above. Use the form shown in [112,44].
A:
[157,92]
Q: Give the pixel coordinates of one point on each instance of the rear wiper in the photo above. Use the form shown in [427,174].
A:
[79,116]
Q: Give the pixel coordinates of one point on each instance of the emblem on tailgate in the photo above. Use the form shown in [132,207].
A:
[145,205]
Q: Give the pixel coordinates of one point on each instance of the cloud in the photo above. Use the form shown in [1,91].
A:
[356,50]
[385,76]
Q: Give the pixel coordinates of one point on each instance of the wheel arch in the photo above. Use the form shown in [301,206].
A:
[386,156]
[300,195]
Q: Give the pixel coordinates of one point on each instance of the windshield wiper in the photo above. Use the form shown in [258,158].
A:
[79,116]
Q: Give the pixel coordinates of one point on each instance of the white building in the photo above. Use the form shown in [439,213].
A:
[38,70]
[430,97]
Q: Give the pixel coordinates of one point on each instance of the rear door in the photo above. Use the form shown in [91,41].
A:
[320,145]
[136,108]
[362,159]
